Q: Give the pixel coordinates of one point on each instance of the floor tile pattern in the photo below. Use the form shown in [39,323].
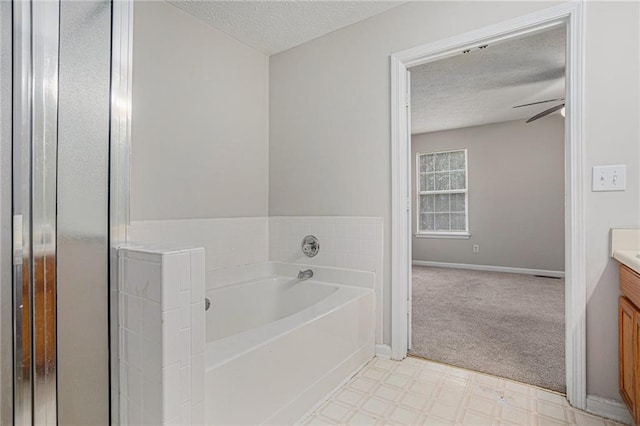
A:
[420,392]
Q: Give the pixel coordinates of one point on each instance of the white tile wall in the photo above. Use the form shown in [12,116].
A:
[345,242]
[228,242]
[162,332]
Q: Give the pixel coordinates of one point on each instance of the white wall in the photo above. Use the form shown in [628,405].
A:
[516,195]
[612,136]
[330,133]
[200,119]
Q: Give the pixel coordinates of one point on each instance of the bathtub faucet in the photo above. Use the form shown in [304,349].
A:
[305,275]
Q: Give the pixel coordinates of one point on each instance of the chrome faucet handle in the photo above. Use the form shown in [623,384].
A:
[310,246]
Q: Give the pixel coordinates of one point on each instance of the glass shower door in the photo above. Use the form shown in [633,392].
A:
[59,229]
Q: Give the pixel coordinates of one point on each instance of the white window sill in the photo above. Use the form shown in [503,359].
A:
[444,235]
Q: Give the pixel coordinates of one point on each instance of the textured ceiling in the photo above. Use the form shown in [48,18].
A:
[274,26]
[483,86]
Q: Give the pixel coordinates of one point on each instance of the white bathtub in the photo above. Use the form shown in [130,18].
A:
[276,346]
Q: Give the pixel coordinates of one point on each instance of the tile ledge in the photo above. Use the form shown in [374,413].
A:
[159,248]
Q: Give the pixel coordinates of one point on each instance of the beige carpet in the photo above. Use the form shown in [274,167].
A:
[508,325]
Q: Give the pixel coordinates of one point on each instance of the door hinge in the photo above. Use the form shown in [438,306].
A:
[407,101]
[409,205]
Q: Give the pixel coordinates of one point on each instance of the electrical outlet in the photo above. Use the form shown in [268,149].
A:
[476,248]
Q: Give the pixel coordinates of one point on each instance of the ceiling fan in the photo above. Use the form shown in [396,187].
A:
[546,111]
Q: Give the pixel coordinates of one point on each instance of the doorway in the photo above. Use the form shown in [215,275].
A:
[575,301]
[487,146]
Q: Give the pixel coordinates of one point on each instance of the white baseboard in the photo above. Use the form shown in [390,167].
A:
[544,272]
[608,408]
[383,351]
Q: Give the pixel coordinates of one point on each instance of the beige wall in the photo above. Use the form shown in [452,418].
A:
[330,133]
[200,119]
[516,195]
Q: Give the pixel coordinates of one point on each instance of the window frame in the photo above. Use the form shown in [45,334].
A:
[443,234]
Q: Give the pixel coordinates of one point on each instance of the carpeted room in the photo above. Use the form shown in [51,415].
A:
[488,243]
[508,325]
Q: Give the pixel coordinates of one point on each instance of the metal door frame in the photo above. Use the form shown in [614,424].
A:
[31,97]
[35,119]
[119,173]
[6,257]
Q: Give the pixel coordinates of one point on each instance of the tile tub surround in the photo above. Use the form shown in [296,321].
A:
[419,392]
[228,242]
[162,333]
[345,242]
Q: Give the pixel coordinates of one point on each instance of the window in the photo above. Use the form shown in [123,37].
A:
[442,193]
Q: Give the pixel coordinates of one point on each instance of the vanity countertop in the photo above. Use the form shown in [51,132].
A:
[625,247]
[630,258]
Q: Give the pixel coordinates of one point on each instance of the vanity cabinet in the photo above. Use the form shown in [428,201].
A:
[627,314]
[629,340]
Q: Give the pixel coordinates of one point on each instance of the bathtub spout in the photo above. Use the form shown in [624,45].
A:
[305,275]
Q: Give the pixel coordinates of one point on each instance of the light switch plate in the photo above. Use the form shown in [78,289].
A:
[609,178]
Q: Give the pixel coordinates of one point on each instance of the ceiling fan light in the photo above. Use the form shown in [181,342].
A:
[562,111]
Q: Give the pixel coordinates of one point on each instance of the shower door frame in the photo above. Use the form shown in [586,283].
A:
[119,174]
[6,255]
[119,119]
[35,55]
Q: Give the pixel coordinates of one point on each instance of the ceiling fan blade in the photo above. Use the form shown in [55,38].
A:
[541,102]
[546,112]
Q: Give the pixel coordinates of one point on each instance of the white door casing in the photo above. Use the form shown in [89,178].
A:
[409,212]
[570,14]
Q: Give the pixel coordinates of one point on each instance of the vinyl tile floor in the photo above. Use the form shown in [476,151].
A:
[420,392]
